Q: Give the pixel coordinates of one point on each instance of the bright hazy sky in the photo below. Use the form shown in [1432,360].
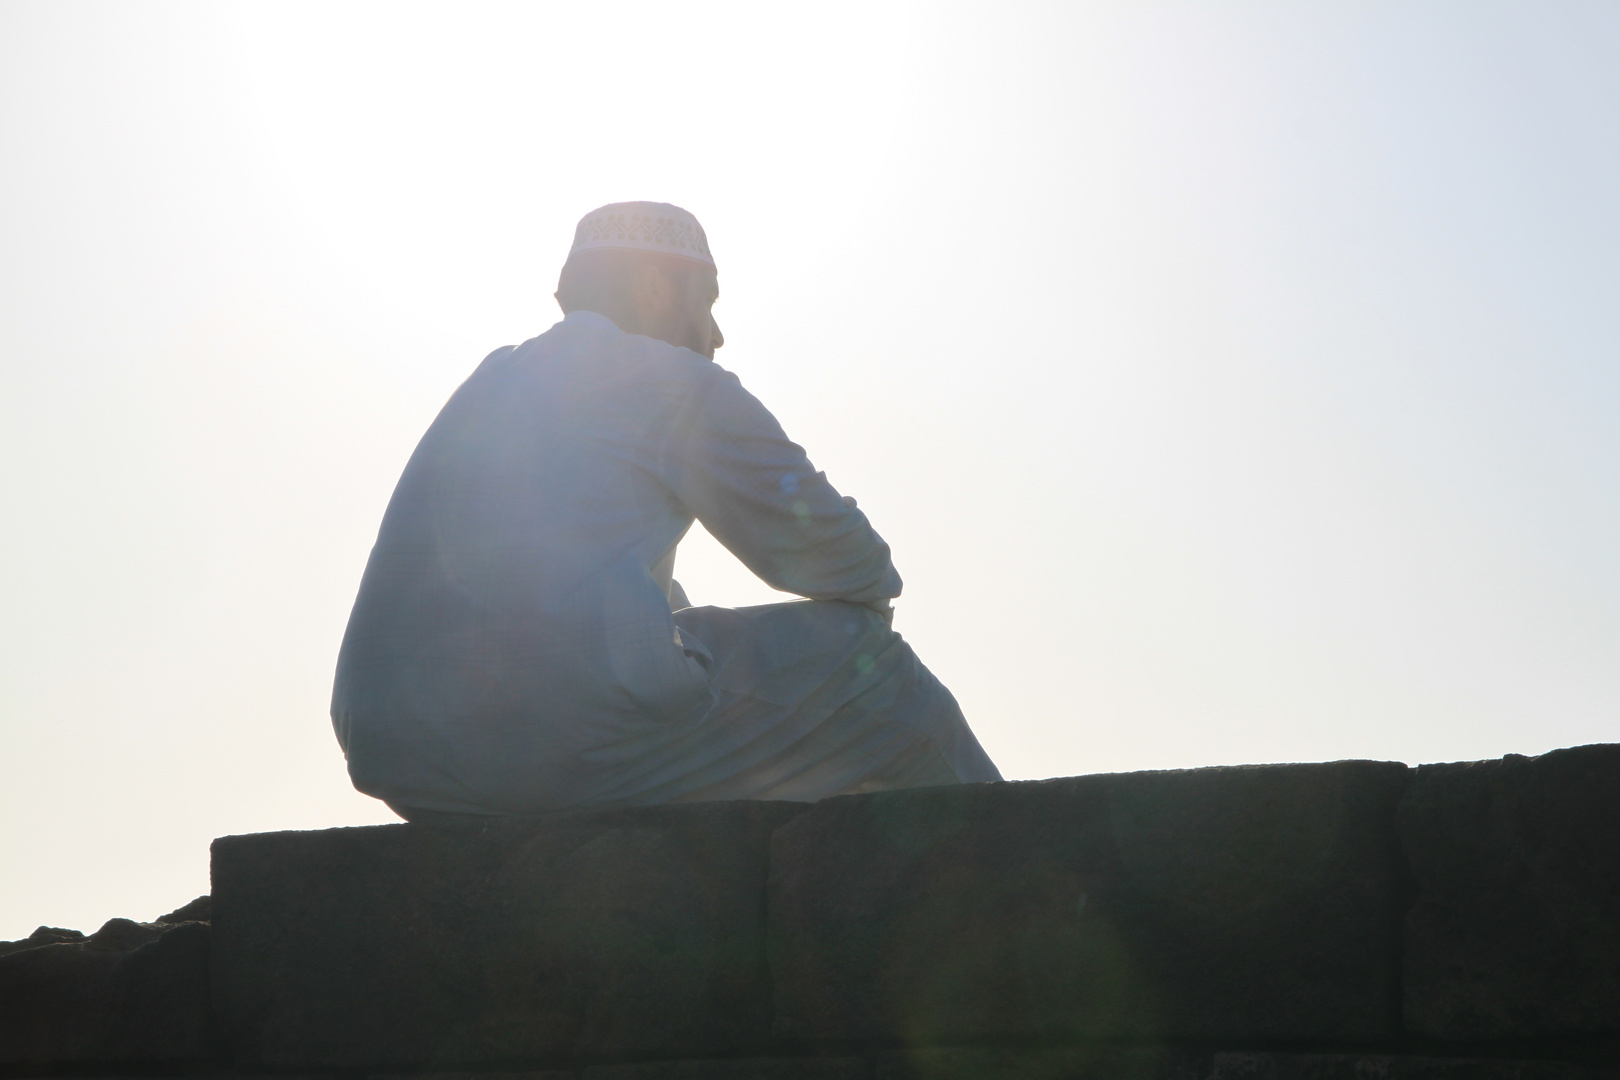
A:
[1234,382]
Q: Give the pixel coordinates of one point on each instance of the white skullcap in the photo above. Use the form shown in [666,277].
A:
[643,226]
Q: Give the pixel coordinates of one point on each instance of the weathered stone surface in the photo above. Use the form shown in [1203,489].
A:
[122,935]
[798,1068]
[1516,929]
[1255,903]
[634,933]
[132,993]
[1380,1067]
[1053,1063]
[45,935]
[196,911]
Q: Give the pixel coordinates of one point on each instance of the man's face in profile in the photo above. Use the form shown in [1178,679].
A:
[701,333]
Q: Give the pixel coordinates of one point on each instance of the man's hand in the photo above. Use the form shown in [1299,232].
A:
[884,607]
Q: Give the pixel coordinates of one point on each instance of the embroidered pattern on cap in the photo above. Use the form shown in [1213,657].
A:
[612,227]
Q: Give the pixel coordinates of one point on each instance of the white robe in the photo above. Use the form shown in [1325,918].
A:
[512,649]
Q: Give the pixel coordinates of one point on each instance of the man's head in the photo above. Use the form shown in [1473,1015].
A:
[647,267]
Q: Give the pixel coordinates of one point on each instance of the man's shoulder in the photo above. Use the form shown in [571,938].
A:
[588,335]
[590,358]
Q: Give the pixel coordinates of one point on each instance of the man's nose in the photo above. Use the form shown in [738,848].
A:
[716,337]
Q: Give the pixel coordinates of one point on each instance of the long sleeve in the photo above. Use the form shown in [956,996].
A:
[736,470]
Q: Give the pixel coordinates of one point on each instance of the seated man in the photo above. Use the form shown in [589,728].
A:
[519,644]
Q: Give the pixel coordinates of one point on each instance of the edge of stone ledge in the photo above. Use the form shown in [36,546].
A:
[518,824]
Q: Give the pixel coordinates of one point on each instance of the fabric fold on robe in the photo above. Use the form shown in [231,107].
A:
[812,698]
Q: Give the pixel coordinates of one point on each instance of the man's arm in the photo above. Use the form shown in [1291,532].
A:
[756,491]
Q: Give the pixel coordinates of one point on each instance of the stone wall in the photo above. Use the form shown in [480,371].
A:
[1352,919]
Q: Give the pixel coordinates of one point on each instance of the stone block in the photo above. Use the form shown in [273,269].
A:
[797,1068]
[631,933]
[1384,1067]
[130,994]
[1048,1063]
[1238,904]
[1515,933]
